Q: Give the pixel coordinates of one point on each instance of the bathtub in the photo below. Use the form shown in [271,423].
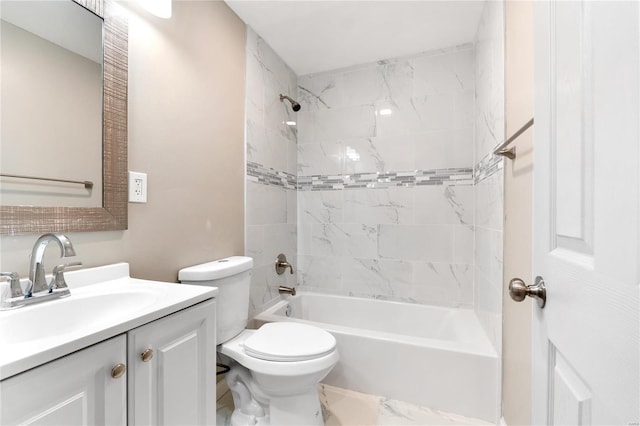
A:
[436,357]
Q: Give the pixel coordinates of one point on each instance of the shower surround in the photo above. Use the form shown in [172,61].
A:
[388,188]
[271,171]
[488,171]
[385,200]
[399,195]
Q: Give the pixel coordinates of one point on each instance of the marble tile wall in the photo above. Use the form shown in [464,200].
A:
[271,168]
[488,189]
[385,158]
[387,189]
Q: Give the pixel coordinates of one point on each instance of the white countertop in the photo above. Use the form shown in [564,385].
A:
[104,302]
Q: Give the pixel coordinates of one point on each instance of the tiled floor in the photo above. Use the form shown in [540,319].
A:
[224,406]
[342,407]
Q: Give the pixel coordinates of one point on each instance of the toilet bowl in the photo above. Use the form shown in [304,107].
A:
[283,373]
[274,370]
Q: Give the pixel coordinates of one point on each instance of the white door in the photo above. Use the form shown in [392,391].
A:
[586,340]
[77,389]
[172,369]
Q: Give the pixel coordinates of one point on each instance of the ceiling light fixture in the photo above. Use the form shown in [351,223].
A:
[159,8]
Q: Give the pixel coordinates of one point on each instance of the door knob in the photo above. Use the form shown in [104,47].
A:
[518,290]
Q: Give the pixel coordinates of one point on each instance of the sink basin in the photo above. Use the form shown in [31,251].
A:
[71,315]
[104,302]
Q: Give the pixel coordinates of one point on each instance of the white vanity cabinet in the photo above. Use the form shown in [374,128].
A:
[75,390]
[169,380]
[172,373]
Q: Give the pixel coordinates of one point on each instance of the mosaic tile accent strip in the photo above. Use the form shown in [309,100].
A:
[487,167]
[267,176]
[453,176]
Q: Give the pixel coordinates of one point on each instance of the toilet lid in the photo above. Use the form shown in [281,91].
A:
[289,341]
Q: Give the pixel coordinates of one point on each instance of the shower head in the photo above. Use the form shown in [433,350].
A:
[294,105]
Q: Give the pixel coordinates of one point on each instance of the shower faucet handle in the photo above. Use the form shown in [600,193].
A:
[282,264]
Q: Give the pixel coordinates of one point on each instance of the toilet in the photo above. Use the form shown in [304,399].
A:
[275,369]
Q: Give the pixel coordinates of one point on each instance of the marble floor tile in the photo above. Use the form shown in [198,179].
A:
[343,407]
[224,404]
[396,413]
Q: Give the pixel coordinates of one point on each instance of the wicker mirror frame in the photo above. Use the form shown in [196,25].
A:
[113,213]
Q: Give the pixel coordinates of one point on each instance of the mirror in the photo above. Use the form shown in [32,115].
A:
[99,127]
[51,103]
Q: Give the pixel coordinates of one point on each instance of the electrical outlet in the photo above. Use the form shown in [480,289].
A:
[137,187]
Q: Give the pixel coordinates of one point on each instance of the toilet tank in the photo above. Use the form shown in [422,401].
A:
[232,276]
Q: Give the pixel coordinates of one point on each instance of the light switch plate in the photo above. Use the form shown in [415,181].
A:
[137,187]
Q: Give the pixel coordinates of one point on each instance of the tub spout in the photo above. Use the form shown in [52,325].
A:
[287,290]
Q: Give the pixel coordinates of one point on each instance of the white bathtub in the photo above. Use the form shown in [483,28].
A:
[431,356]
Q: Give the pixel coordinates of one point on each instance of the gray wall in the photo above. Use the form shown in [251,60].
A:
[186,126]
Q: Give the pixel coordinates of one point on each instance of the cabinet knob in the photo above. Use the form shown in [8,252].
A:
[118,371]
[147,355]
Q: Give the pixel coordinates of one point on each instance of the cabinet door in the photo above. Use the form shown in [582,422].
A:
[175,383]
[75,390]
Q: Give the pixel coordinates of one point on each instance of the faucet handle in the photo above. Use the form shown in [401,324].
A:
[282,264]
[58,280]
[14,280]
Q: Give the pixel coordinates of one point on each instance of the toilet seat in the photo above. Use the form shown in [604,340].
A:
[235,349]
[289,342]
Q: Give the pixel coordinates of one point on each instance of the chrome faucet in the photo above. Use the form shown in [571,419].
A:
[37,282]
[37,290]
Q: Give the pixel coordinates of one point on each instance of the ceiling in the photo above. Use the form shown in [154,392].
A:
[315,36]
